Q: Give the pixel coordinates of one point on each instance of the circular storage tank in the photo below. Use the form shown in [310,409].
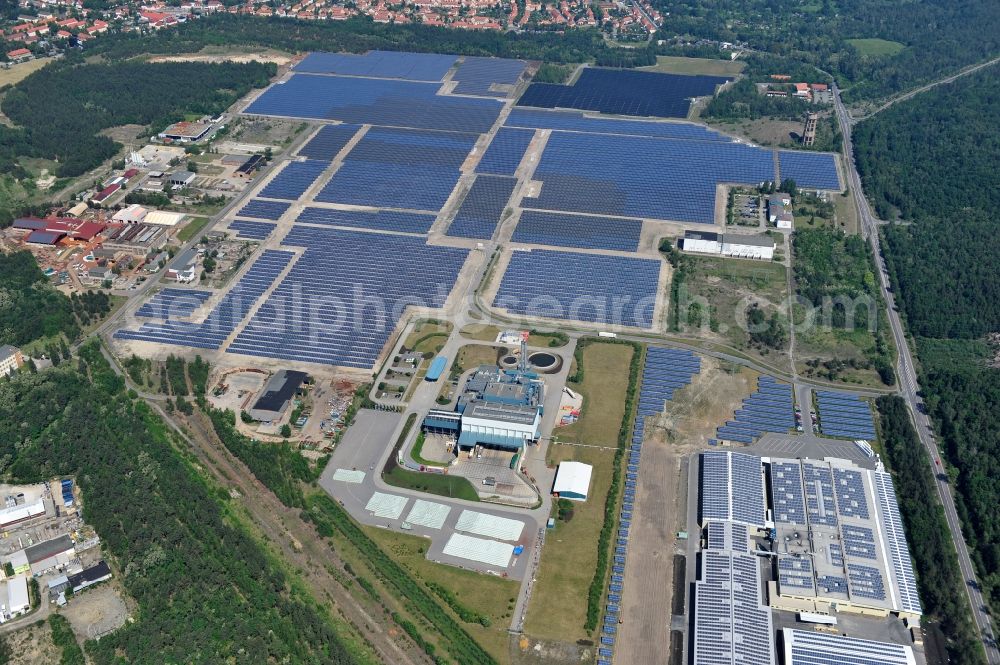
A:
[543,361]
[508,361]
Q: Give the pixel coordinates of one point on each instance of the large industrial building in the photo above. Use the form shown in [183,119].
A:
[830,539]
[277,395]
[736,245]
[498,409]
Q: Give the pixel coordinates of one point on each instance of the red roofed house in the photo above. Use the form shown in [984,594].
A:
[819,87]
[19,55]
[103,195]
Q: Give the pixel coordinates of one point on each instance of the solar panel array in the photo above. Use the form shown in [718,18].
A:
[630,176]
[264,209]
[400,168]
[344,295]
[482,207]
[227,314]
[575,121]
[795,574]
[293,180]
[896,546]
[173,302]
[728,536]
[663,371]
[580,287]
[851,499]
[807,647]
[732,488]
[476,75]
[383,102]
[251,230]
[731,623]
[787,498]
[506,151]
[865,581]
[539,227]
[624,92]
[809,170]
[770,408]
[380,64]
[380,220]
[821,505]
[844,415]
[329,141]
[859,541]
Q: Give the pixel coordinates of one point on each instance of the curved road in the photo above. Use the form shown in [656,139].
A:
[909,388]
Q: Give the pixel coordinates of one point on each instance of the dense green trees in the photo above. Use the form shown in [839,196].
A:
[834,270]
[93,97]
[938,575]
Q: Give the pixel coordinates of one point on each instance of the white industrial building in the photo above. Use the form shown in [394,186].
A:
[17,596]
[806,646]
[573,481]
[503,425]
[736,245]
[132,214]
[164,218]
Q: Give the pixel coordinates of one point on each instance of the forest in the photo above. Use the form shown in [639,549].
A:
[206,590]
[31,309]
[939,579]
[933,37]
[934,160]
[94,97]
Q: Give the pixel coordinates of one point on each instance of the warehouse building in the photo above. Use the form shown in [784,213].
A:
[132,214]
[185,132]
[806,647]
[50,554]
[17,596]
[736,245]
[778,212]
[181,178]
[839,540]
[573,481]
[277,395]
[97,573]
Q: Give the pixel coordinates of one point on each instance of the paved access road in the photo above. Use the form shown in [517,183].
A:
[909,390]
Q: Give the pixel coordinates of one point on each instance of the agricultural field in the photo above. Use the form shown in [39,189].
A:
[876,48]
[669,64]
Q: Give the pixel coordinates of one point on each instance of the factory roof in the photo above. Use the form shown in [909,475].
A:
[732,488]
[279,390]
[751,240]
[508,413]
[701,235]
[806,647]
[49,548]
[44,237]
[573,478]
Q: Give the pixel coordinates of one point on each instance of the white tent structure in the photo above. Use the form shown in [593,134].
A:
[573,481]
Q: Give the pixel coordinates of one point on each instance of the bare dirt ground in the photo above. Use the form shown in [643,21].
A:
[96,612]
[276,58]
[32,645]
[661,504]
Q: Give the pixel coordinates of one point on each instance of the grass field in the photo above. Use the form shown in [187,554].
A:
[876,48]
[21,71]
[486,595]
[192,228]
[432,483]
[670,64]
[559,602]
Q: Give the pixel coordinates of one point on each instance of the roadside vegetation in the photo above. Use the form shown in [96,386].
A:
[939,578]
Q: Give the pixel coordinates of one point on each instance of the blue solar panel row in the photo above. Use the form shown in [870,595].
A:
[381,220]
[251,230]
[227,314]
[292,181]
[264,209]
[624,92]
[506,151]
[576,121]
[400,168]
[844,415]
[538,227]
[342,299]
[662,368]
[380,64]
[770,408]
[476,76]
[809,170]
[630,176]
[329,141]
[580,287]
[482,207]
[371,101]
[173,302]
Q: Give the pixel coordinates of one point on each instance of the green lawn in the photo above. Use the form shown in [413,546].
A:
[558,607]
[876,48]
[192,228]
[432,483]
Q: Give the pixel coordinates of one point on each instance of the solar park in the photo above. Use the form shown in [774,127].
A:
[415,126]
